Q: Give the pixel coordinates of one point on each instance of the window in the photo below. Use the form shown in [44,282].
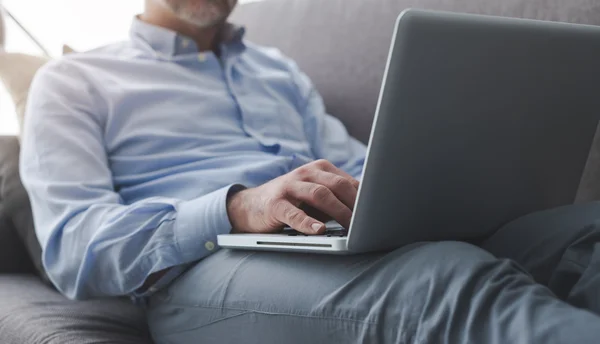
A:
[83,25]
[16,40]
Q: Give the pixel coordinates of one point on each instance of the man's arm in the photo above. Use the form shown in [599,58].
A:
[94,244]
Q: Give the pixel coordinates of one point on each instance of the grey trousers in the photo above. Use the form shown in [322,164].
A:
[537,280]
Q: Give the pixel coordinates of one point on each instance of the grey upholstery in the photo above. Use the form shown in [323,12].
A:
[31,312]
[13,256]
[343,44]
[16,221]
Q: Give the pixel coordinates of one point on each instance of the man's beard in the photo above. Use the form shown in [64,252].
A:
[202,13]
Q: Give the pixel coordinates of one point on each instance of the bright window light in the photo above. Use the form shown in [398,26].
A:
[81,24]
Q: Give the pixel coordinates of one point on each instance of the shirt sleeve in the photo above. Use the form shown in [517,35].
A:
[328,136]
[93,243]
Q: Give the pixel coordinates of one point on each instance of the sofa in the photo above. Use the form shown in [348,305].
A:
[342,45]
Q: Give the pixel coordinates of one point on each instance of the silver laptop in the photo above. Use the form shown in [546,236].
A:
[480,120]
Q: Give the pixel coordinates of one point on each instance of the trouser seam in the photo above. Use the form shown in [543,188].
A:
[210,323]
[373,322]
[356,322]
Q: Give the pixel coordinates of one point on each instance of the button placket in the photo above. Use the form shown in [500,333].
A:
[227,69]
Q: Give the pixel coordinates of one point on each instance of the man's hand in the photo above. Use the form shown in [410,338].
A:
[279,202]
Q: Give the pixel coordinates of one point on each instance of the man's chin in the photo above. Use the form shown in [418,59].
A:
[204,23]
[208,24]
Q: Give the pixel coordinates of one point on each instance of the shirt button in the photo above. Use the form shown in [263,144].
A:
[201,57]
[152,290]
[209,245]
[185,43]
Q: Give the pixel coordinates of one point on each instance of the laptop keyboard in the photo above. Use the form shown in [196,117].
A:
[334,232]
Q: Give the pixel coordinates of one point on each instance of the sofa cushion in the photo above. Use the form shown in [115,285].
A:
[17,72]
[31,312]
[343,46]
[13,256]
[15,214]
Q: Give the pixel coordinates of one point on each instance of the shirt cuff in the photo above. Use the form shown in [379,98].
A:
[200,220]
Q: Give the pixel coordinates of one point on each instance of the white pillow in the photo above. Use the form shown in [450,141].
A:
[17,72]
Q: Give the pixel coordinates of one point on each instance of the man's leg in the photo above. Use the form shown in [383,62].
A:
[560,248]
[436,293]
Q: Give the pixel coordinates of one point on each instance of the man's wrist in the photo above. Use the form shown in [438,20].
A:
[234,207]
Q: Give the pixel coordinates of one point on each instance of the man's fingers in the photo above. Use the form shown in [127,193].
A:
[324,187]
[329,167]
[289,214]
[322,198]
[341,187]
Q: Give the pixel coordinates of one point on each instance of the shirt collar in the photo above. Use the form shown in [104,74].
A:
[171,43]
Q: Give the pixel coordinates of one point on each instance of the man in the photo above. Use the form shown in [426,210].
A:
[137,155]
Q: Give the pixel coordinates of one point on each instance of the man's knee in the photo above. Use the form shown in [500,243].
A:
[447,254]
[451,263]
[566,221]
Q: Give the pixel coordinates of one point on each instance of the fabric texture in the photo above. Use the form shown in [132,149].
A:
[131,206]
[32,313]
[17,72]
[429,293]
[343,47]
[16,222]
[560,248]
[13,256]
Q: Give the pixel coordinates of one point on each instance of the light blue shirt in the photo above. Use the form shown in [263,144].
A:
[129,151]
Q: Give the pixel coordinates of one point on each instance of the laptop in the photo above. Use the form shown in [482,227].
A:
[480,120]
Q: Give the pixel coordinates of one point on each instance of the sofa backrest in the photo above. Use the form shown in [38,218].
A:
[343,45]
